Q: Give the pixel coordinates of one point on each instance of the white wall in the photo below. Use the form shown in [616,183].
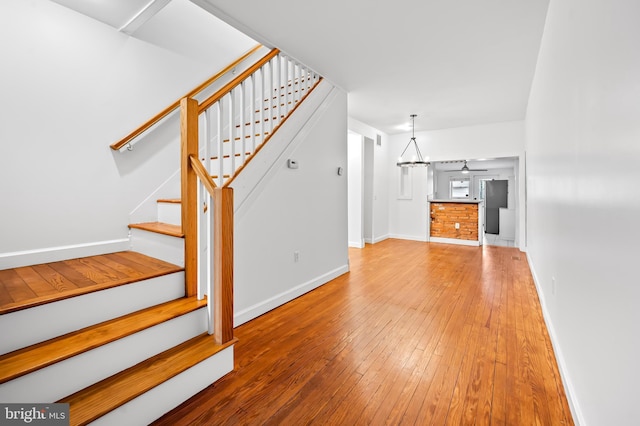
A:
[355,190]
[70,87]
[301,210]
[380,216]
[408,218]
[583,157]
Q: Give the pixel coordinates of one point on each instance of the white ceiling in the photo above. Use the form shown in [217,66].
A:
[114,13]
[176,25]
[452,62]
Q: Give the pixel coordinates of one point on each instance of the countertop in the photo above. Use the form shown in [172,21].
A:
[456,201]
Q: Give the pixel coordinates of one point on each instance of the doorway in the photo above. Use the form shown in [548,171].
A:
[355,190]
[481,171]
[360,203]
[367,203]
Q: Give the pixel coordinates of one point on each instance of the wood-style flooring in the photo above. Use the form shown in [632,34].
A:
[416,333]
[30,286]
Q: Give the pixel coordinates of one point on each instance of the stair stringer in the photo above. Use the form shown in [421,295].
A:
[283,142]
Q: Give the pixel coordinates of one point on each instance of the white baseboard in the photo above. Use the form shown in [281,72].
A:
[576,412]
[380,238]
[17,259]
[368,241]
[454,241]
[408,237]
[284,297]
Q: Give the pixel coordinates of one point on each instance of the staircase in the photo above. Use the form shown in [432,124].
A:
[125,337]
[95,331]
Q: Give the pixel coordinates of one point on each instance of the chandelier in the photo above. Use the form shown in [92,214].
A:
[416,159]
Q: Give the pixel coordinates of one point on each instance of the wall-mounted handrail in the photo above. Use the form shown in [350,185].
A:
[168,110]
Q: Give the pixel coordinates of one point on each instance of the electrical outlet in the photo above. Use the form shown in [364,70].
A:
[553,286]
[457,225]
[296,256]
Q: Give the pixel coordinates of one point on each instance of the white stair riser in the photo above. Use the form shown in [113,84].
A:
[151,405]
[163,247]
[170,213]
[23,328]
[69,376]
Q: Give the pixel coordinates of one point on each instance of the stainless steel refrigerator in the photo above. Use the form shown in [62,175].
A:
[495,198]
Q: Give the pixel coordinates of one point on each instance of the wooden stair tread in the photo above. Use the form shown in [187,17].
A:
[276,106]
[248,153]
[37,285]
[169,200]
[160,228]
[97,400]
[238,138]
[26,360]
[282,95]
[256,122]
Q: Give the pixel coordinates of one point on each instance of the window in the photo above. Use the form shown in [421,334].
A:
[482,191]
[404,183]
[482,187]
[459,188]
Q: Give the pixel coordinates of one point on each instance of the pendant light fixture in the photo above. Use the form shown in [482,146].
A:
[416,160]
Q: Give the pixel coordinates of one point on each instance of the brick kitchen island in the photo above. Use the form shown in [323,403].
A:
[456,222]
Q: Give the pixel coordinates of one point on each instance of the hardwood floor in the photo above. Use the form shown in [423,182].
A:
[416,333]
[35,285]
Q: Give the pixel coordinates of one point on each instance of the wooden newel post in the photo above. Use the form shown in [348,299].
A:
[189,192]
[223,264]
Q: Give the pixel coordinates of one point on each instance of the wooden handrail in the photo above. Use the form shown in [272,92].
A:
[117,145]
[217,224]
[236,81]
[201,171]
